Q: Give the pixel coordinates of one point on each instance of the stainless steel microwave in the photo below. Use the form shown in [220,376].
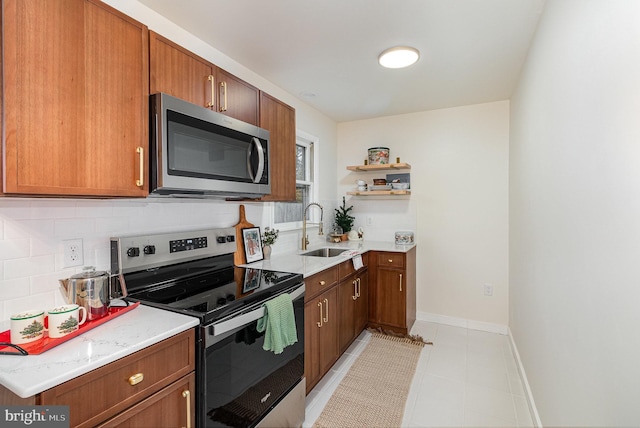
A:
[198,152]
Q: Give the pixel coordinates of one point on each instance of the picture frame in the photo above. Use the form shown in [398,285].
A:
[252,244]
[251,279]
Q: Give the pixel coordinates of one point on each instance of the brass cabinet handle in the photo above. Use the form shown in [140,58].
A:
[400,282]
[223,90]
[136,379]
[212,79]
[140,181]
[390,260]
[186,394]
[322,283]
[355,289]
[358,290]
[326,302]
[319,323]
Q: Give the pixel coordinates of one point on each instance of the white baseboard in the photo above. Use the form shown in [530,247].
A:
[525,383]
[462,322]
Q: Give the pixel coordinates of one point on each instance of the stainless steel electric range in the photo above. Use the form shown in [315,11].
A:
[239,384]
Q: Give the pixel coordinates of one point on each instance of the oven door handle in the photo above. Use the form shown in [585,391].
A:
[249,317]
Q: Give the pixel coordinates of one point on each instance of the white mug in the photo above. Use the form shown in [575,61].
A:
[27,326]
[66,319]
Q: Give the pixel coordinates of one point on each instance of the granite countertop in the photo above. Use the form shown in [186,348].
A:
[307,266]
[128,333]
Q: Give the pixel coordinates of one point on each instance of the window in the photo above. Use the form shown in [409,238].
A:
[288,215]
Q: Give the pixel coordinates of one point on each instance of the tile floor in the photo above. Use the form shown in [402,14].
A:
[468,378]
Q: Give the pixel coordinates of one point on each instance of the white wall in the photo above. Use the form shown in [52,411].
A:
[32,230]
[458,208]
[575,214]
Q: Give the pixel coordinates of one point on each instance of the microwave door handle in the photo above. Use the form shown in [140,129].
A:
[256,178]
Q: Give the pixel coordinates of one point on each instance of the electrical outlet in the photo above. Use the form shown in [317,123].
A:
[369,221]
[73,253]
[488,290]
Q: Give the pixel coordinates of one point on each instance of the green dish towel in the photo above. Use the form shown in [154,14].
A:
[279,323]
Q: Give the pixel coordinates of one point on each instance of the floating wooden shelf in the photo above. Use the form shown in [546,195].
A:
[380,192]
[390,166]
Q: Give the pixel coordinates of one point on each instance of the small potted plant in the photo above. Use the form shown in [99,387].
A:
[269,238]
[343,219]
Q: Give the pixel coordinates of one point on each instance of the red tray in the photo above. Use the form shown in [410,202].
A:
[40,346]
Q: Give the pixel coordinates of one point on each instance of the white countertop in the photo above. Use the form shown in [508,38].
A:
[308,266]
[128,333]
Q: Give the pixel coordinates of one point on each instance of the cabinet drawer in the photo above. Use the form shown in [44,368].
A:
[346,268]
[391,259]
[108,390]
[320,282]
[167,408]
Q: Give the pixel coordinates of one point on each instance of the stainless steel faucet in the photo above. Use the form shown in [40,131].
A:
[305,238]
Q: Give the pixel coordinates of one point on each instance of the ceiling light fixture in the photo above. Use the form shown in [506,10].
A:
[398,57]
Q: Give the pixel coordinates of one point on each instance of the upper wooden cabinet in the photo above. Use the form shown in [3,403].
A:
[178,72]
[280,120]
[237,98]
[76,80]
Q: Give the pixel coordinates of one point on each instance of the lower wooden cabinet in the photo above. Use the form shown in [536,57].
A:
[132,389]
[335,313]
[392,300]
[320,335]
[171,407]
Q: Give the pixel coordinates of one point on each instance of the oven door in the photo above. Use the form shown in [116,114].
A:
[243,382]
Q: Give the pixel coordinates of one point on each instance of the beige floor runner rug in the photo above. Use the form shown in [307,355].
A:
[374,391]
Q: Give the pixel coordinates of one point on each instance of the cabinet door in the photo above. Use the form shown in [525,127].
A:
[237,98]
[347,297]
[173,406]
[180,73]
[76,82]
[391,297]
[321,336]
[353,300]
[362,304]
[280,120]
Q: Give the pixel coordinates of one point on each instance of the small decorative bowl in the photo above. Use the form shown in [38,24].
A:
[379,181]
[400,186]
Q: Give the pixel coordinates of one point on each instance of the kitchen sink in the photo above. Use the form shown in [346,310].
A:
[324,252]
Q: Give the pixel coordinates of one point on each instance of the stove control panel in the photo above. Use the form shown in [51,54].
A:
[133,253]
[187,244]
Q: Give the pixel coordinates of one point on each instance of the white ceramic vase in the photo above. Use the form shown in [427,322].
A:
[266,251]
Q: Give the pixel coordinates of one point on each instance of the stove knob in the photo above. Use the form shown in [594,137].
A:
[231,238]
[133,252]
[221,301]
[231,298]
[149,249]
[221,239]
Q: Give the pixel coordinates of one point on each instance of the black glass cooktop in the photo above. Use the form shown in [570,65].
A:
[209,289]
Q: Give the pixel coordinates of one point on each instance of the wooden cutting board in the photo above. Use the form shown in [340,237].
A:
[239,257]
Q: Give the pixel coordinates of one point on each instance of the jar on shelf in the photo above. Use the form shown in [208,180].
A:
[378,156]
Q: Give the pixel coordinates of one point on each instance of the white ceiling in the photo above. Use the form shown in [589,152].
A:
[325,51]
